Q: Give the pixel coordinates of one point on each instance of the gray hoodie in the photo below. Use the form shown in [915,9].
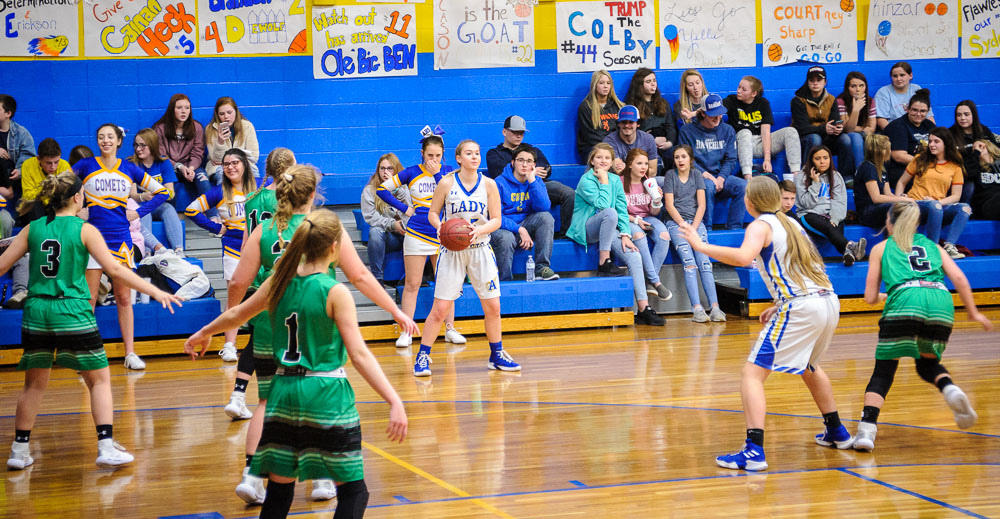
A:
[383,220]
[817,198]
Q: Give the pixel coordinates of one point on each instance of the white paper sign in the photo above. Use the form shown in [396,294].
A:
[252,26]
[980,37]
[364,41]
[807,30]
[139,28]
[916,30]
[695,34]
[612,35]
[50,30]
[483,34]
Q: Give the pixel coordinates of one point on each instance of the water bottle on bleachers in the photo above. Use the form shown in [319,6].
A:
[529,269]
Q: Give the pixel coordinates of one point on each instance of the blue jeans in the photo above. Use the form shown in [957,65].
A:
[380,241]
[652,261]
[842,145]
[936,215]
[734,188]
[603,228]
[167,214]
[856,143]
[540,228]
[695,263]
[187,192]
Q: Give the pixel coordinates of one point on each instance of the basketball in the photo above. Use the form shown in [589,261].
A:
[847,5]
[522,10]
[298,45]
[942,9]
[774,52]
[930,8]
[454,234]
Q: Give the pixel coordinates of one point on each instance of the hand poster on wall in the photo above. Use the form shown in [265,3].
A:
[980,37]
[696,34]
[139,28]
[251,27]
[804,30]
[614,35]
[483,34]
[912,31]
[50,30]
[362,41]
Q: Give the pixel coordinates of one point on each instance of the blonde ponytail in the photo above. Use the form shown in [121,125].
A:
[904,217]
[312,241]
[293,188]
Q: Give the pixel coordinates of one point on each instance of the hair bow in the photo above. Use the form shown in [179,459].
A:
[426,132]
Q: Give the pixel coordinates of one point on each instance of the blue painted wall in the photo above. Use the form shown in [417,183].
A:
[342,126]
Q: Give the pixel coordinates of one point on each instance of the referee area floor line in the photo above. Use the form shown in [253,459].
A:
[549,405]
[734,474]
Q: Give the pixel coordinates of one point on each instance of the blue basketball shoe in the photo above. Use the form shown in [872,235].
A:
[422,367]
[501,360]
[838,438]
[750,458]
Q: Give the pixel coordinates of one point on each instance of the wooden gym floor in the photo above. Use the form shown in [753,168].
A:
[602,423]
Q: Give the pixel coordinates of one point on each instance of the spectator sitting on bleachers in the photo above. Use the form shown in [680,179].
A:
[228,130]
[873,196]
[597,114]
[788,197]
[907,135]
[967,130]
[750,116]
[986,200]
[78,153]
[34,170]
[629,137]
[16,146]
[643,216]
[714,146]
[526,221]
[858,112]
[498,158]
[817,120]
[600,215]
[387,224]
[937,187]
[821,198]
[147,156]
[692,97]
[684,200]
[182,140]
[893,100]
[655,116]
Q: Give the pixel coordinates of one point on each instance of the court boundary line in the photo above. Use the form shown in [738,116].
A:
[911,493]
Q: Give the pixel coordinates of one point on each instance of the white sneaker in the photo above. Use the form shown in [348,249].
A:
[404,340]
[865,439]
[717,315]
[228,352]
[965,417]
[110,454]
[237,406]
[132,361]
[251,488]
[324,490]
[20,456]
[179,252]
[451,335]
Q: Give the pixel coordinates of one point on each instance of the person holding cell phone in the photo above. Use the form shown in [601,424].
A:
[228,130]
[818,121]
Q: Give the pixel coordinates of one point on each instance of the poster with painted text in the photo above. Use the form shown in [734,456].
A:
[364,41]
[46,28]
[696,34]
[139,28]
[251,27]
[980,37]
[484,33]
[611,35]
[806,30]
[911,30]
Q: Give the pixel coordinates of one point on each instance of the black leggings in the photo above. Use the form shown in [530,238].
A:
[820,226]
[246,364]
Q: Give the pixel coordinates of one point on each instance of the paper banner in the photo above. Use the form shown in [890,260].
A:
[139,28]
[907,31]
[50,30]
[980,37]
[613,35]
[694,34]
[364,41]
[483,34]
[803,30]
[251,26]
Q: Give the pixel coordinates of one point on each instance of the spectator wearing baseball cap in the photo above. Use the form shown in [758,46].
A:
[627,137]
[714,146]
[500,157]
[811,117]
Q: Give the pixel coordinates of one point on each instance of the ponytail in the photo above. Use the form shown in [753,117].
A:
[904,217]
[293,188]
[312,241]
[57,192]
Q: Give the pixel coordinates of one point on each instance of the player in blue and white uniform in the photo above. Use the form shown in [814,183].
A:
[797,329]
[420,240]
[474,197]
[107,182]
[228,199]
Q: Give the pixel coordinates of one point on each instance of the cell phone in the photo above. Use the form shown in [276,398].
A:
[838,122]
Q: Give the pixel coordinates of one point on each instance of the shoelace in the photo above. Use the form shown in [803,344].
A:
[423,360]
[505,356]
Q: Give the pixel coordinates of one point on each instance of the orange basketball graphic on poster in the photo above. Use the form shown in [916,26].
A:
[847,5]
[298,45]
[774,52]
[942,9]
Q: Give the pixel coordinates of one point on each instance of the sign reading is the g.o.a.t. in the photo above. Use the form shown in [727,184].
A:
[361,41]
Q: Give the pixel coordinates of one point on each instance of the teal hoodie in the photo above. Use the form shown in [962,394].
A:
[593,197]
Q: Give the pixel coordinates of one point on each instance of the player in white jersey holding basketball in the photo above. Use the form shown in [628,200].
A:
[797,329]
[471,196]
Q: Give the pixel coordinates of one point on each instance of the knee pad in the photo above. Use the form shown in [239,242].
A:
[882,377]
[929,368]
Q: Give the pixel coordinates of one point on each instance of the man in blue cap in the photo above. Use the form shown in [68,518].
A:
[627,137]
